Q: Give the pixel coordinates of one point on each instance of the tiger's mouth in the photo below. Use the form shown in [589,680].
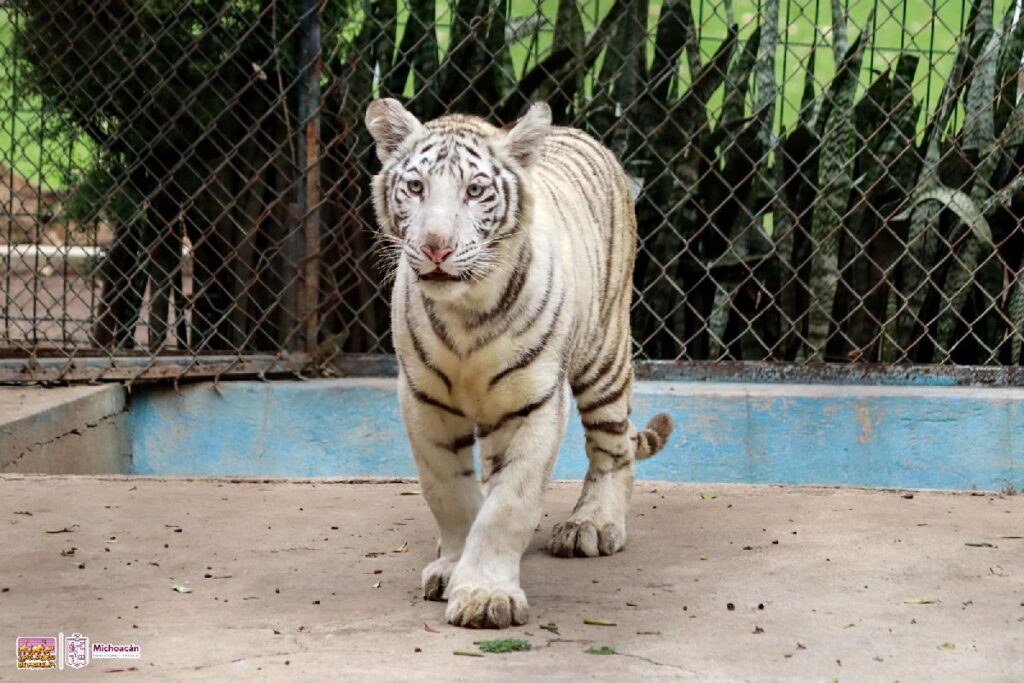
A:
[438,275]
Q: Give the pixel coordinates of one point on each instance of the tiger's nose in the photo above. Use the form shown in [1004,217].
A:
[436,254]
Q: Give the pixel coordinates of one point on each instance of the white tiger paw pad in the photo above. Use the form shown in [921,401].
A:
[487,607]
[435,578]
[583,538]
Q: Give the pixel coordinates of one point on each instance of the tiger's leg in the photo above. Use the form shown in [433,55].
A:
[442,445]
[597,524]
[518,457]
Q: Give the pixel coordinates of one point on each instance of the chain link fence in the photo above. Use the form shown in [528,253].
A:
[184,186]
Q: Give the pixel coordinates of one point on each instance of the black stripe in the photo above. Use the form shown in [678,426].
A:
[643,441]
[598,149]
[462,442]
[543,303]
[420,351]
[486,430]
[498,461]
[468,473]
[608,427]
[437,325]
[611,454]
[424,397]
[506,193]
[527,357]
[656,441]
[575,174]
[599,167]
[568,172]
[566,222]
[602,371]
[607,399]
[513,288]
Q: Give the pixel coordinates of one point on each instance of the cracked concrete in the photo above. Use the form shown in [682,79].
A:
[313,580]
[75,430]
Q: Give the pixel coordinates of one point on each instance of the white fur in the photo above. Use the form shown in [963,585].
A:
[509,378]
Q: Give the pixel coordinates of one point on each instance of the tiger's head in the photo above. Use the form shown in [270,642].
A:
[451,197]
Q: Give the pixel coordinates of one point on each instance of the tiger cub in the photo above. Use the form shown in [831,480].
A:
[514,256]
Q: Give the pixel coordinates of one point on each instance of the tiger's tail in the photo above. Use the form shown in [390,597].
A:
[654,436]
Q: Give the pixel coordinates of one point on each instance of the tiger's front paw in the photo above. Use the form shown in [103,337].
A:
[584,538]
[487,607]
[435,578]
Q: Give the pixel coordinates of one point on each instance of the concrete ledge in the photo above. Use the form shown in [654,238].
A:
[882,436]
[68,430]
[29,258]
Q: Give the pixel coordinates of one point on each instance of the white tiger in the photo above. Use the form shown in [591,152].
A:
[514,252]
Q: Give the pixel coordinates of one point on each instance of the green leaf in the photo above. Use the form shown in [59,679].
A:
[955,290]
[600,650]
[947,646]
[594,621]
[675,32]
[717,324]
[501,71]
[840,44]
[737,81]
[901,167]
[979,122]
[764,71]
[467,653]
[957,202]
[559,65]
[808,102]
[1015,310]
[835,181]
[569,38]
[1009,66]
[625,68]
[504,645]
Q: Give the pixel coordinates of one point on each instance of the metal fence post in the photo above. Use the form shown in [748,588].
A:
[311,64]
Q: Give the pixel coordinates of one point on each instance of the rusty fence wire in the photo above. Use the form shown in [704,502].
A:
[184,185]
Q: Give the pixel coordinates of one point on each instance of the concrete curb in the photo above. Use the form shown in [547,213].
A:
[876,436]
[68,430]
[28,258]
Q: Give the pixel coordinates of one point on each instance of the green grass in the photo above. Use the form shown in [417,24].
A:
[31,141]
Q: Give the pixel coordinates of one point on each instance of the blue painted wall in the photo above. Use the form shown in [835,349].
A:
[898,436]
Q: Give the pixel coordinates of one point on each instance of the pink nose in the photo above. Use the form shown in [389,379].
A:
[436,254]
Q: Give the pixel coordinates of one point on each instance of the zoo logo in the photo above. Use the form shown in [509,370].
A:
[36,652]
[43,652]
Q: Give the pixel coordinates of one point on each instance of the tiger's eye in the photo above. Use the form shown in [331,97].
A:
[415,186]
[474,190]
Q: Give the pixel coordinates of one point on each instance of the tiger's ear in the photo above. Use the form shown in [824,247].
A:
[390,124]
[525,139]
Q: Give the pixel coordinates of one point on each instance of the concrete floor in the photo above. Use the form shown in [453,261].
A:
[320,580]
